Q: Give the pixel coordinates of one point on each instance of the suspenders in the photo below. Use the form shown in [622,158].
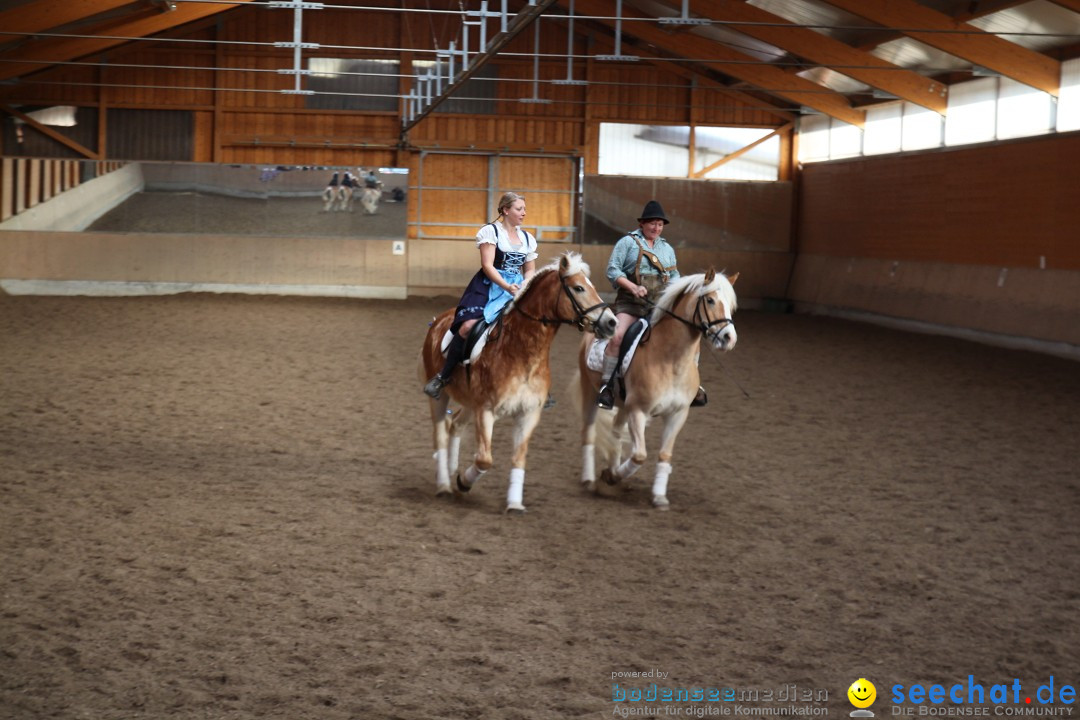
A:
[664,271]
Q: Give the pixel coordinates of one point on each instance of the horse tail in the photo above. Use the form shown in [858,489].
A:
[608,445]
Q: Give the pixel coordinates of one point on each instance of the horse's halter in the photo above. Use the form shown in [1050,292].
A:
[582,313]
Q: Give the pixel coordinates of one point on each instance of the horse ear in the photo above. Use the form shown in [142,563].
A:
[733,278]
[564,264]
[710,276]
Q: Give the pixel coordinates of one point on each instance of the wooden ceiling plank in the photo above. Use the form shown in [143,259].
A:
[829,52]
[981,48]
[46,14]
[764,77]
[64,49]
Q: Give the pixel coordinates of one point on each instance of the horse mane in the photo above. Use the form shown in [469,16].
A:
[694,284]
[575,264]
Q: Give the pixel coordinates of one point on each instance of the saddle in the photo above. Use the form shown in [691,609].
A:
[632,338]
[474,343]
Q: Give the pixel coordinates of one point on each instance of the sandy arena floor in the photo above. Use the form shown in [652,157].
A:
[222,507]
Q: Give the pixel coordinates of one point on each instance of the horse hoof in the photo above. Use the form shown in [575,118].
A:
[609,477]
[588,485]
[461,486]
[515,509]
[660,502]
[443,490]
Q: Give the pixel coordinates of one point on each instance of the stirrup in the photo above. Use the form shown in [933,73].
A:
[700,399]
[434,386]
[606,397]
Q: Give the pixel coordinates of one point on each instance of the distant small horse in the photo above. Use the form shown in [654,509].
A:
[346,195]
[337,198]
[369,200]
[661,381]
[511,377]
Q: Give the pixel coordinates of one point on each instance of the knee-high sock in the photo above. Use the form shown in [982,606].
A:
[453,356]
[609,369]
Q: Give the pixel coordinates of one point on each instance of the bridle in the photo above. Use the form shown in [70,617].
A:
[700,320]
[579,321]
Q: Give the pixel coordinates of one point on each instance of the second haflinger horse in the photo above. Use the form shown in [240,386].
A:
[511,375]
[369,200]
[660,381]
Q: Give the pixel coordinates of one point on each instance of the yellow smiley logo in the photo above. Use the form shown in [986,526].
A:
[862,693]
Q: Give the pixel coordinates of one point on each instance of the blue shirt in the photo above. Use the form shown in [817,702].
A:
[621,262]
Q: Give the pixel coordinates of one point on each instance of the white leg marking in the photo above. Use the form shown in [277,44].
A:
[516,491]
[659,488]
[588,464]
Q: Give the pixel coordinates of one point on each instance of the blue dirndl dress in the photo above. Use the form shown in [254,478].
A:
[484,299]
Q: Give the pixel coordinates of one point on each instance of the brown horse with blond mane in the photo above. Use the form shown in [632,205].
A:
[511,376]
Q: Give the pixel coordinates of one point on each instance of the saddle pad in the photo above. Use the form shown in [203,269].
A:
[595,359]
[479,346]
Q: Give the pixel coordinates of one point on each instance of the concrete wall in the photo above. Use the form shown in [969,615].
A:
[882,239]
[77,208]
[123,264]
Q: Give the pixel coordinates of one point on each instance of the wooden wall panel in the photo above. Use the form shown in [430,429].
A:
[377,29]
[155,86]
[566,99]
[439,205]
[64,85]
[1011,204]
[716,107]
[250,81]
[451,195]
[548,184]
[509,133]
[619,93]
[446,170]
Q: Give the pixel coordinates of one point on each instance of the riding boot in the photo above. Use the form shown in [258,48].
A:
[441,378]
[606,397]
[700,399]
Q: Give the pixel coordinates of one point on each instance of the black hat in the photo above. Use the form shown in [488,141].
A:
[653,211]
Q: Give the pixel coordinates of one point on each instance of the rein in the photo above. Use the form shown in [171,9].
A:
[700,321]
[582,313]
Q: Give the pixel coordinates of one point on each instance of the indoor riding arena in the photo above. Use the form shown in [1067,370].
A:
[227,227]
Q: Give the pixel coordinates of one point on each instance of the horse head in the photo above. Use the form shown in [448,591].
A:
[563,289]
[705,301]
[580,302]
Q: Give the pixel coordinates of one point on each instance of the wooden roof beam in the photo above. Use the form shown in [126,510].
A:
[64,49]
[981,48]
[45,14]
[829,52]
[981,10]
[1073,5]
[744,67]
